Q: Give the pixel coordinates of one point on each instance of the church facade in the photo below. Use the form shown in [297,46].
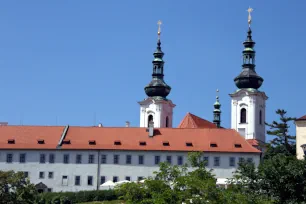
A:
[73,158]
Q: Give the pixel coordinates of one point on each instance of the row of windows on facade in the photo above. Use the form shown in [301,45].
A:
[243,118]
[77,180]
[116,159]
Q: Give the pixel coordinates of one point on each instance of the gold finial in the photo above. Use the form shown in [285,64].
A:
[249,17]
[159,31]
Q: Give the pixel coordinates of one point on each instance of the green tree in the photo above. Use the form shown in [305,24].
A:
[16,189]
[282,142]
[281,178]
[177,184]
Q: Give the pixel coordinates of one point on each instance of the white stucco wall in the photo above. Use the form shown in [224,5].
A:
[159,110]
[121,170]
[253,103]
[300,137]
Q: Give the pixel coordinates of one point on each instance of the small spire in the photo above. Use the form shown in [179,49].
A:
[249,17]
[217,111]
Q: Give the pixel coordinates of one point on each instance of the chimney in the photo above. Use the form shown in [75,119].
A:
[127,124]
[151,129]
[3,123]
[100,125]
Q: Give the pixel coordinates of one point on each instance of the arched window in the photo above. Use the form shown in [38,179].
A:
[260,117]
[150,118]
[167,121]
[243,115]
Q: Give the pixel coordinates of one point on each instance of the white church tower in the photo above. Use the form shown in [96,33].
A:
[248,104]
[157,108]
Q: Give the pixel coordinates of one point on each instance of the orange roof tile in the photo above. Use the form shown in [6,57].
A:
[27,137]
[193,121]
[253,142]
[177,138]
[302,118]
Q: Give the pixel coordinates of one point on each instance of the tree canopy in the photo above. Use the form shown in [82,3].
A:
[177,184]
[16,189]
[282,142]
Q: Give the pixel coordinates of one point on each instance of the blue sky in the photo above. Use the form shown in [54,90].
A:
[62,62]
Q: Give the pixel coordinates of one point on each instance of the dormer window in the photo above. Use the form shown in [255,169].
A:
[189,144]
[213,145]
[142,143]
[117,142]
[11,141]
[40,141]
[92,142]
[166,143]
[238,146]
[66,141]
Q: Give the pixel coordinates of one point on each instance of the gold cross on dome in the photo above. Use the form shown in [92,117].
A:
[249,17]
[159,30]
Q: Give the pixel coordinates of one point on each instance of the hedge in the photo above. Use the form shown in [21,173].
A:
[77,197]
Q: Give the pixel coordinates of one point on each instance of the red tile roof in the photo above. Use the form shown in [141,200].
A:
[302,118]
[253,142]
[193,121]
[130,138]
[177,138]
[28,137]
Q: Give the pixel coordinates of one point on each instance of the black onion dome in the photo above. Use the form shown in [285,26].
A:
[248,78]
[158,87]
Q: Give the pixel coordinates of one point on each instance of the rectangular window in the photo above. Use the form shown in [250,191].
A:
[78,159]
[91,159]
[49,189]
[140,159]
[9,158]
[26,174]
[89,180]
[41,175]
[139,178]
[50,175]
[232,161]
[77,180]
[241,159]
[157,159]
[116,159]
[102,179]
[64,180]
[22,158]
[103,159]
[128,159]
[250,160]
[128,178]
[66,158]
[51,158]
[115,179]
[206,160]
[216,161]
[179,160]
[42,158]
[169,159]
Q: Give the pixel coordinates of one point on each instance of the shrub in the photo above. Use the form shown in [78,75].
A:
[77,197]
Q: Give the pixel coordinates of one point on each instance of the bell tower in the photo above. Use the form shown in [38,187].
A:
[156,107]
[248,104]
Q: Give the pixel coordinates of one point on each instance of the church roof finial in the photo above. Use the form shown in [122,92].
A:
[248,78]
[159,30]
[249,17]
[217,111]
[158,87]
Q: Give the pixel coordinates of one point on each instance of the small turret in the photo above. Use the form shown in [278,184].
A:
[217,111]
